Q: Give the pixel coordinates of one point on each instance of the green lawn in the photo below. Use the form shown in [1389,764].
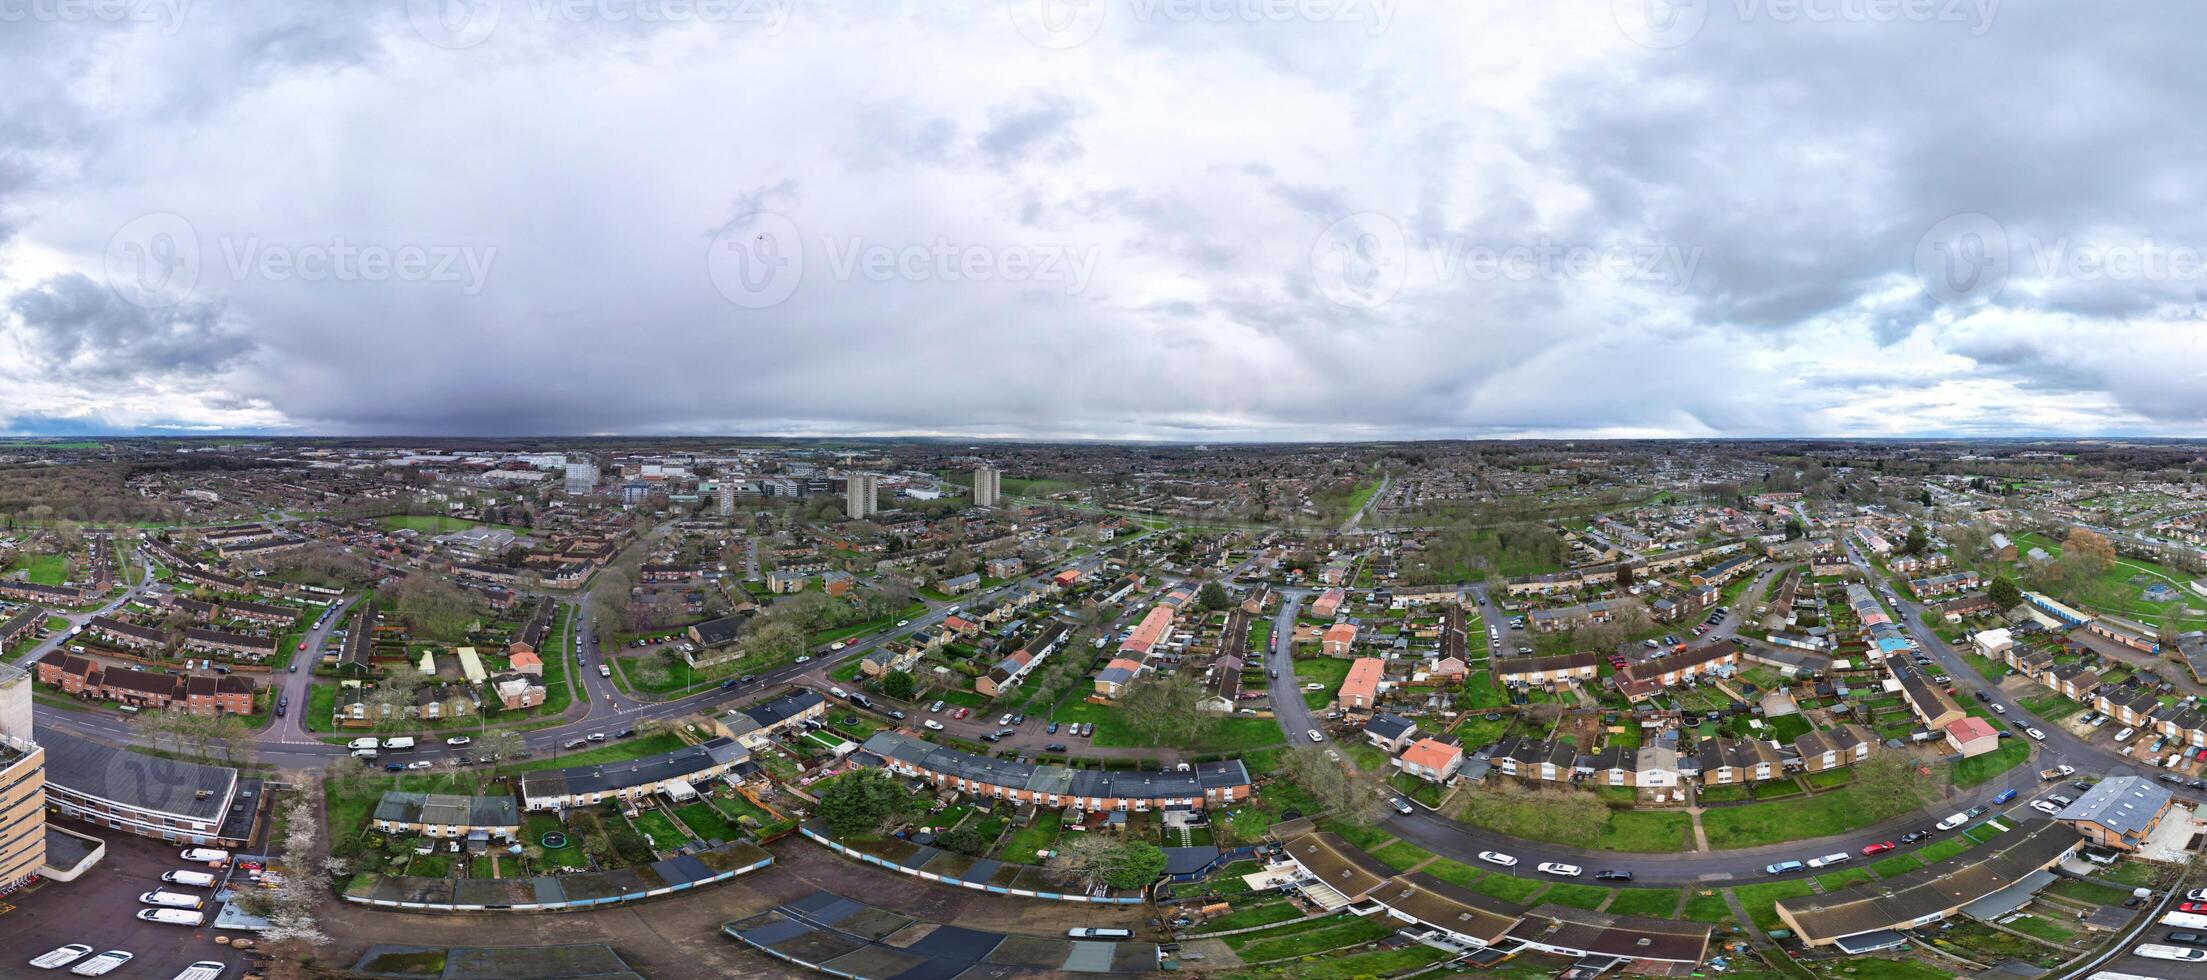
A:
[42,569]
[1509,888]
[1655,903]
[1403,855]
[1755,824]
[1363,836]
[1020,848]
[1761,901]
[1259,914]
[1897,864]
[1579,896]
[1977,770]
[1706,908]
[1453,872]
[1304,939]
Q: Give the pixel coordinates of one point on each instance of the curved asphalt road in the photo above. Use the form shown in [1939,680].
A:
[1461,842]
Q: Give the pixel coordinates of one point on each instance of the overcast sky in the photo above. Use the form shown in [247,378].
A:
[1119,219]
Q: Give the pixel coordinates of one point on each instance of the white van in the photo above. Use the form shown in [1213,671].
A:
[362,743]
[174,917]
[396,744]
[1092,933]
[58,958]
[365,753]
[203,970]
[195,879]
[174,900]
[206,855]
[103,964]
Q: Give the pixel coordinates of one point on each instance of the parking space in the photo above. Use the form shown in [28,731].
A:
[100,910]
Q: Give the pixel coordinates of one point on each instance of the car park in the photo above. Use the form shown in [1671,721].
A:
[1561,870]
[1497,857]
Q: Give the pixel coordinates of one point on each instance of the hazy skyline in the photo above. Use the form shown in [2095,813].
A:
[1137,220]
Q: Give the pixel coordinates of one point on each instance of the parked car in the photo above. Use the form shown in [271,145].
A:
[936,708]
[1877,848]
[1497,857]
[1828,860]
[2044,807]
[2005,796]
[1783,868]
[932,725]
[1056,747]
[1914,836]
[1401,805]
[1561,870]
[1613,875]
[1315,736]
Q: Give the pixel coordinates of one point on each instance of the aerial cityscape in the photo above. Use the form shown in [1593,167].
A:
[1003,489]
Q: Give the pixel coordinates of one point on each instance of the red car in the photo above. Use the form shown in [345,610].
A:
[2191,906]
[1877,848]
[962,712]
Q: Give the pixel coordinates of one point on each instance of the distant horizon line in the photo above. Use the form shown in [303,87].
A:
[17,440]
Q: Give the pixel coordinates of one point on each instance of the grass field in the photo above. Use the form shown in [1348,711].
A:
[1508,888]
[1978,770]
[42,569]
[1578,896]
[1403,855]
[1223,735]
[1822,815]
[1706,908]
[1655,903]
[1761,901]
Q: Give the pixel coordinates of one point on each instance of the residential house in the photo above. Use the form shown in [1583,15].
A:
[1844,745]
[1390,732]
[1431,759]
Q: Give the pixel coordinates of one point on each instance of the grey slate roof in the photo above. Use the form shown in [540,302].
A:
[2123,804]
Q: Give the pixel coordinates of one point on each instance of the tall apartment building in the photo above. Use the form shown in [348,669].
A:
[727,496]
[582,477]
[861,496]
[988,485]
[22,781]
